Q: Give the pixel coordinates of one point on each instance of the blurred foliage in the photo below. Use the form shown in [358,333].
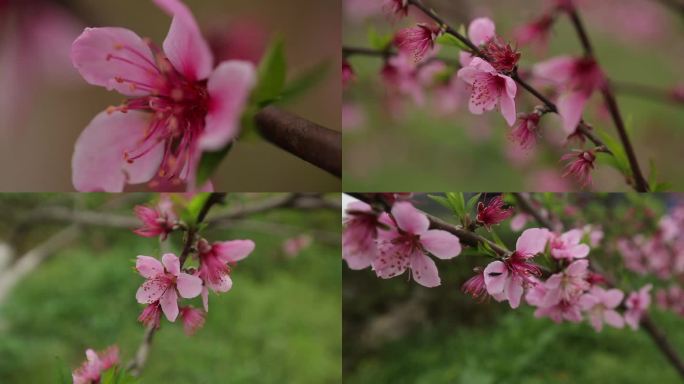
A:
[461,151]
[396,331]
[279,323]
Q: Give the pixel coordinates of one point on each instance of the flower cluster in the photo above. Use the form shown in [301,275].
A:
[167,281]
[396,242]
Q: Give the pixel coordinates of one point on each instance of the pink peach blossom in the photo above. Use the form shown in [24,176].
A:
[567,246]
[193,319]
[405,246]
[493,213]
[416,41]
[577,79]
[359,235]
[97,363]
[150,317]
[215,259]
[489,89]
[164,283]
[580,164]
[158,221]
[505,278]
[295,245]
[536,31]
[568,285]
[600,305]
[179,105]
[526,130]
[475,286]
[480,31]
[637,303]
[396,8]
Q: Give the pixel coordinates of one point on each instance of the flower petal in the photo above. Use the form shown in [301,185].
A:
[532,241]
[148,267]
[98,163]
[409,218]
[115,58]
[184,45]
[441,243]
[613,318]
[507,107]
[169,304]
[514,291]
[151,290]
[570,108]
[557,70]
[229,88]
[424,270]
[224,284]
[612,298]
[234,250]
[496,276]
[188,286]
[171,263]
[481,30]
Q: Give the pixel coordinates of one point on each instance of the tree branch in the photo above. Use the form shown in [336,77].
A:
[309,141]
[640,183]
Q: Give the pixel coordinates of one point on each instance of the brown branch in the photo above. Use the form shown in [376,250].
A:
[526,205]
[309,141]
[640,183]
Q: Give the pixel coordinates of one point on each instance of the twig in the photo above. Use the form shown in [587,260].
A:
[309,141]
[641,185]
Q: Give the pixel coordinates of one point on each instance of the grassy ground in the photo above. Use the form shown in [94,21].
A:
[280,323]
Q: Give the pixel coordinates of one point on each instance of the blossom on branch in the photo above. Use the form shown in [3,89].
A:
[489,88]
[96,363]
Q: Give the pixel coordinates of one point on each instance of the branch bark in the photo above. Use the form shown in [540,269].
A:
[309,141]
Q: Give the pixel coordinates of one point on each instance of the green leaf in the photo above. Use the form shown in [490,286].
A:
[195,206]
[449,40]
[63,372]
[109,377]
[441,200]
[661,187]
[271,74]
[652,173]
[472,201]
[305,81]
[621,163]
[209,162]
[497,239]
[457,202]
[378,41]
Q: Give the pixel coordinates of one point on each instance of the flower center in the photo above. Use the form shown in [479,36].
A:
[179,107]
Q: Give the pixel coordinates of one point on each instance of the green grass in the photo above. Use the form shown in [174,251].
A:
[516,348]
[279,323]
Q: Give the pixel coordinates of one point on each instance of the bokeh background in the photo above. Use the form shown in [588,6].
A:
[281,322]
[419,148]
[50,104]
[396,331]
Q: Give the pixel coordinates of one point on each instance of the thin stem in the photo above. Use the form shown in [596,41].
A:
[136,365]
[641,185]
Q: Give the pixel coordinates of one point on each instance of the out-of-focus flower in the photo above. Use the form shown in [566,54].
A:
[475,286]
[567,245]
[489,88]
[579,165]
[151,315]
[480,31]
[244,39]
[536,31]
[96,363]
[505,278]
[637,303]
[417,41]
[164,283]
[360,232]
[577,79]
[193,319]
[179,105]
[158,221]
[406,245]
[35,37]
[493,212]
[396,8]
[359,10]
[353,116]
[295,245]
[600,305]
[526,130]
[347,73]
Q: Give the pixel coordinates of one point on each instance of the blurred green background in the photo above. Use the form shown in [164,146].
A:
[396,331]
[58,110]
[422,149]
[279,323]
